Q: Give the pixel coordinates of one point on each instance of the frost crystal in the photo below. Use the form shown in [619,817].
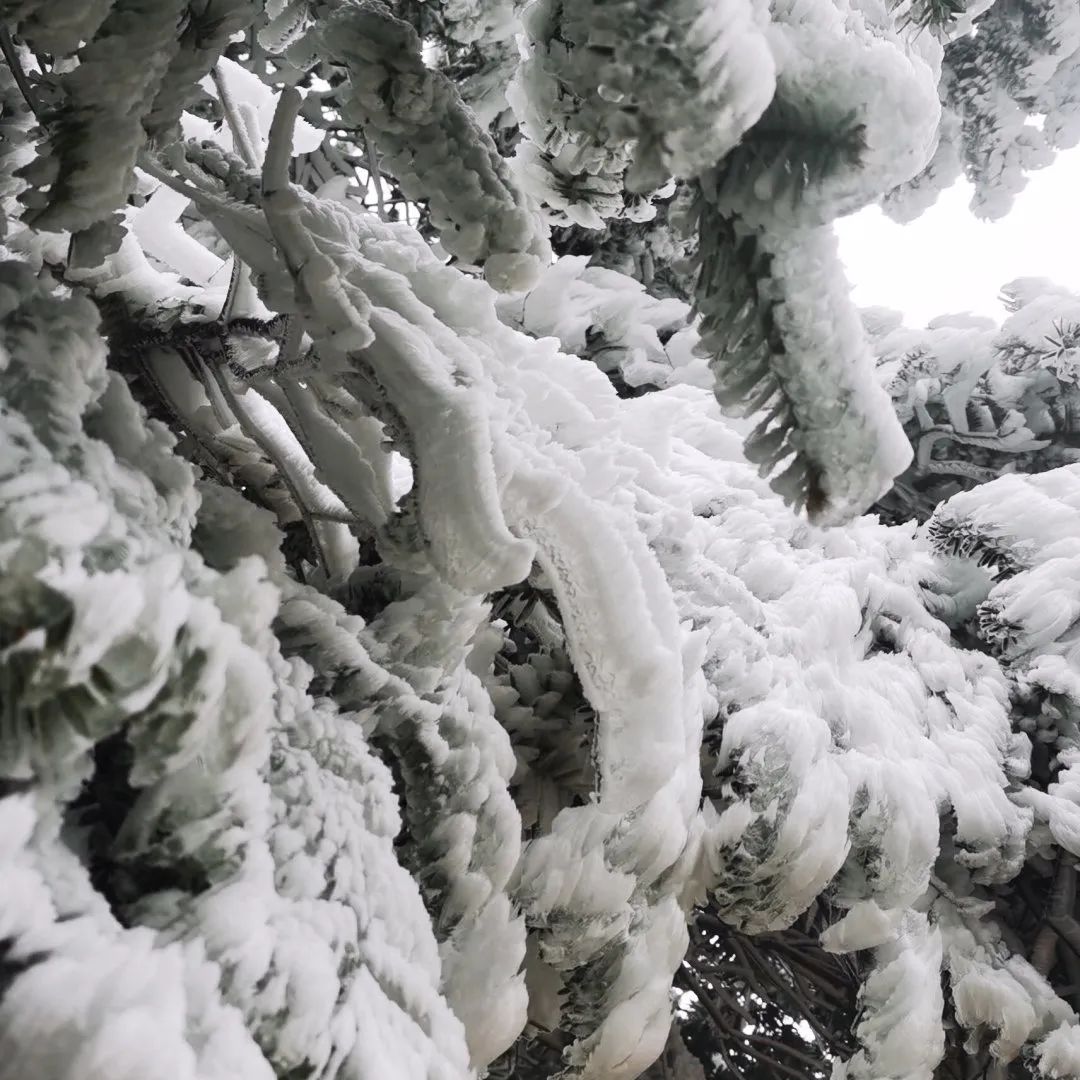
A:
[407,670]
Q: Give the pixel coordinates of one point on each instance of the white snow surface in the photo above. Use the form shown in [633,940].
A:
[841,726]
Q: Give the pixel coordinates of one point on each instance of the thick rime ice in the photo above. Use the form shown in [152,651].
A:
[481,21]
[786,347]
[907,201]
[821,655]
[591,116]
[854,114]
[855,108]
[203,722]
[156,1008]
[434,145]
[902,1005]
[1026,530]
[605,889]
[977,400]
[1002,74]
[609,318]
[400,695]
[1010,97]
[456,762]
[98,130]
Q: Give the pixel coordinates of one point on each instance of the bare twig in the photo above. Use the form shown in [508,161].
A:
[746,1040]
[699,990]
[11,58]
[798,1055]
[726,1055]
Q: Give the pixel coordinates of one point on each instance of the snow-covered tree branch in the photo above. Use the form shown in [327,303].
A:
[441,634]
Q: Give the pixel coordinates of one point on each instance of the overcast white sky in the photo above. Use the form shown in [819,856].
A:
[948,261]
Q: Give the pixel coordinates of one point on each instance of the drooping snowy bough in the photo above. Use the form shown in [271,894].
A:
[382,691]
